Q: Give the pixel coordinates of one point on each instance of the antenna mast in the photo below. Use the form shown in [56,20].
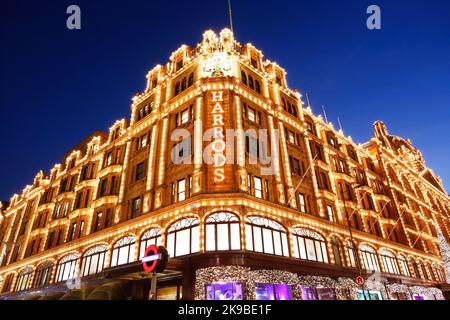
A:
[231,15]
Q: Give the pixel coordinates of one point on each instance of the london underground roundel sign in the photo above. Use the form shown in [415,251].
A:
[155,259]
[360,280]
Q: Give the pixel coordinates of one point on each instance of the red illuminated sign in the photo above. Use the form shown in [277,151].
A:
[155,259]
[360,280]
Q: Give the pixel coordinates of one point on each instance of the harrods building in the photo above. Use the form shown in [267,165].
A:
[283,207]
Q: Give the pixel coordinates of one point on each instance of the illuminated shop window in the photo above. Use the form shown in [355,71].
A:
[310,293]
[389,262]
[309,245]
[224,291]
[23,279]
[370,260]
[43,273]
[266,236]
[183,237]
[369,295]
[123,251]
[268,291]
[222,232]
[94,260]
[151,236]
[67,267]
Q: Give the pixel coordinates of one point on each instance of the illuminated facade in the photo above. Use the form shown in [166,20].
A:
[284,207]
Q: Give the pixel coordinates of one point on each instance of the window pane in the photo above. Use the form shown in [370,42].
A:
[310,249]
[210,237]
[301,244]
[170,245]
[295,248]
[183,243]
[285,245]
[277,243]
[195,239]
[258,240]
[222,233]
[248,237]
[324,252]
[235,237]
[267,238]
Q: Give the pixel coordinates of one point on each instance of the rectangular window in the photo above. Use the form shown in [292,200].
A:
[81,228]
[291,137]
[330,213]
[102,190]
[251,114]
[258,187]
[181,194]
[112,189]
[98,221]
[295,166]
[78,200]
[302,202]
[72,233]
[66,209]
[184,117]
[266,189]
[140,171]
[83,174]
[108,158]
[108,218]
[135,207]
[86,198]
[323,176]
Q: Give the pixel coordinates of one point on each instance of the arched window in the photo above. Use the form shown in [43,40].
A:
[309,245]
[123,251]
[267,236]
[151,236]
[191,79]
[43,273]
[337,251]
[7,283]
[94,260]
[423,270]
[222,232]
[183,84]
[389,262]
[251,84]
[350,248]
[430,272]
[183,237]
[257,86]
[67,267]
[440,273]
[244,78]
[369,256]
[403,265]
[415,267]
[23,279]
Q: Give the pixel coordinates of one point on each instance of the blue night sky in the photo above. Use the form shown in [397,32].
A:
[57,86]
